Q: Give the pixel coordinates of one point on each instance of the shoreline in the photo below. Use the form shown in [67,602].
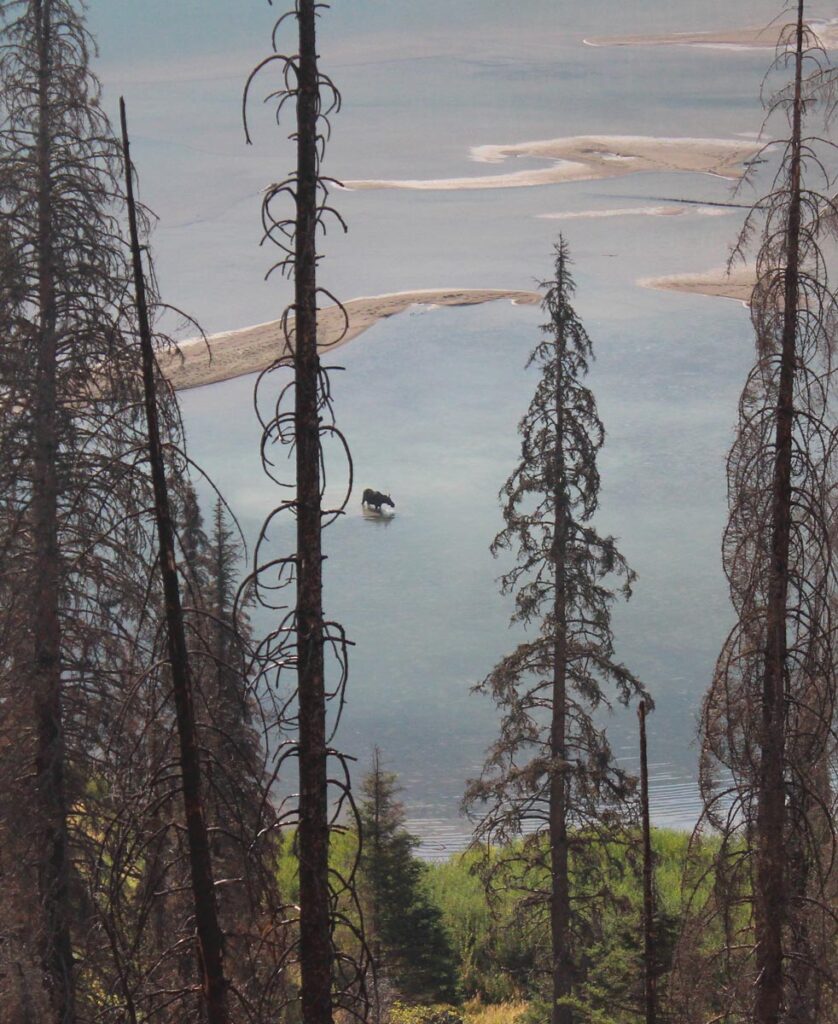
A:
[231,354]
[587,158]
[716,283]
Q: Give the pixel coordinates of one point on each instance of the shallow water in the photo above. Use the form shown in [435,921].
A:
[430,400]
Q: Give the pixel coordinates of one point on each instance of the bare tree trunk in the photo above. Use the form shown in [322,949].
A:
[559,847]
[210,938]
[769,895]
[315,917]
[57,950]
[649,974]
[809,849]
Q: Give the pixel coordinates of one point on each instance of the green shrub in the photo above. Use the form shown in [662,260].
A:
[438,1013]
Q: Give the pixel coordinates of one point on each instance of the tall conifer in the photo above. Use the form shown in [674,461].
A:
[549,780]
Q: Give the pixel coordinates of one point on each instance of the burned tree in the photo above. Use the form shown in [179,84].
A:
[650,1005]
[302,420]
[550,783]
[210,939]
[218,732]
[73,537]
[236,725]
[768,740]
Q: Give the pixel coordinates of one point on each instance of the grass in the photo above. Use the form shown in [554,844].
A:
[475,1012]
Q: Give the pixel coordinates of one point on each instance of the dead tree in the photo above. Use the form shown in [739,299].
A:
[209,935]
[49,759]
[768,740]
[237,726]
[302,419]
[112,859]
[552,789]
[72,536]
[649,951]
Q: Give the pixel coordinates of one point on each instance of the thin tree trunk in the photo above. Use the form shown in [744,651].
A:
[315,916]
[649,973]
[559,847]
[53,874]
[769,896]
[210,938]
[809,849]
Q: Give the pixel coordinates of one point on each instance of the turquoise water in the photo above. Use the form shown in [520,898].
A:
[430,400]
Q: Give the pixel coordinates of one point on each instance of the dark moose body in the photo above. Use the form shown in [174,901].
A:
[375,499]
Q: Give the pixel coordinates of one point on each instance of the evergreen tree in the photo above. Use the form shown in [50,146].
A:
[411,948]
[550,782]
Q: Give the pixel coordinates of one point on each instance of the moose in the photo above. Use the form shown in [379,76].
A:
[375,499]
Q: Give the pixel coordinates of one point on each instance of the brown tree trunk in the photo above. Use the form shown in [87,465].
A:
[315,916]
[769,892]
[210,938]
[649,972]
[53,874]
[559,846]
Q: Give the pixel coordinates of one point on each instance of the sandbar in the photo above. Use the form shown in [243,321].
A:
[737,284]
[589,158]
[251,349]
[766,37]
[639,211]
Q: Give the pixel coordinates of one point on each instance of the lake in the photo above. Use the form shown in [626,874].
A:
[430,400]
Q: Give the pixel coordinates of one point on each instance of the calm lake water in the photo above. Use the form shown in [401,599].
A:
[430,400]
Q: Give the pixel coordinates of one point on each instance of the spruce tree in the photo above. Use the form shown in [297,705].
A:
[550,782]
[413,955]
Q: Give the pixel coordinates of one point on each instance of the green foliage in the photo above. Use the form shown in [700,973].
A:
[499,949]
[538,1012]
[437,1013]
[404,927]
[494,951]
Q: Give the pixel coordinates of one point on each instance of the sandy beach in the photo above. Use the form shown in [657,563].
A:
[250,349]
[738,284]
[589,158]
[766,37]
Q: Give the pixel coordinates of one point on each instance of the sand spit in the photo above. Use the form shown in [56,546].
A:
[589,158]
[250,349]
[766,37]
[738,284]
[639,211]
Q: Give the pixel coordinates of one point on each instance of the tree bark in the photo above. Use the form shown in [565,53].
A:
[53,873]
[649,972]
[315,916]
[559,846]
[769,895]
[210,938]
